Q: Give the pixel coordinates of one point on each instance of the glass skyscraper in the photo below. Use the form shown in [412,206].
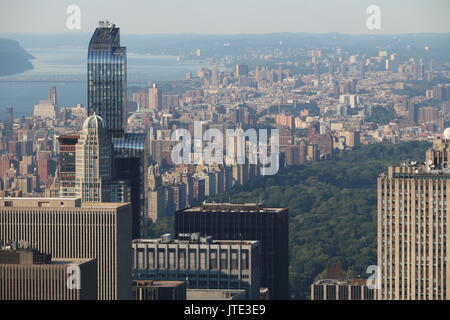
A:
[107,77]
[107,98]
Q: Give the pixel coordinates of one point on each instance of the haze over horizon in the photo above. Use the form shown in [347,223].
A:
[230,17]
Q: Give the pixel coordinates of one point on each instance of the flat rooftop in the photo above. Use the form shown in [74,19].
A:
[176,241]
[232,207]
[29,202]
[69,261]
[157,284]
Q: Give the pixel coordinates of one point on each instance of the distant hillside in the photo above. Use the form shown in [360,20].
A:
[13,58]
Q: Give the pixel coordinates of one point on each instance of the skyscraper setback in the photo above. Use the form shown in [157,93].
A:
[107,77]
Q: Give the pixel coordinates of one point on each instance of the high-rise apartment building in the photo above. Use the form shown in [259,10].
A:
[413,111]
[155,98]
[201,261]
[413,230]
[241,70]
[107,77]
[107,98]
[428,114]
[93,161]
[52,96]
[68,228]
[8,123]
[67,165]
[246,222]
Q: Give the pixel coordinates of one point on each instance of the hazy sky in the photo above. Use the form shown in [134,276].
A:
[227,16]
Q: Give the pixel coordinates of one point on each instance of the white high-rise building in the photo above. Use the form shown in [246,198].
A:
[93,161]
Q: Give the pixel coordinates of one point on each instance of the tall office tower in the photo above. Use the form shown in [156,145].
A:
[420,70]
[316,68]
[362,68]
[215,76]
[93,161]
[27,274]
[331,71]
[155,98]
[52,95]
[246,222]
[344,69]
[241,70]
[130,156]
[413,232]
[68,228]
[107,77]
[155,193]
[201,261]
[8,124]
[67,165]
[107,97]
[413,111]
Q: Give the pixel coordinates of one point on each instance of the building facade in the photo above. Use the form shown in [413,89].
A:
[93,162]
[413,231]
[202,262]
[25,274]
[68,228]
[332,289]
[107,77]
[67,165]
[246,222]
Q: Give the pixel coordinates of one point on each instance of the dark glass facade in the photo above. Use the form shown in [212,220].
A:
[107,77]
[246,222]
[130,162]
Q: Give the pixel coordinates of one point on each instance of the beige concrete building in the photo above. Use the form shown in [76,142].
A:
[413,231]
[26,274]
[67,228]
[155,98]
[45,109]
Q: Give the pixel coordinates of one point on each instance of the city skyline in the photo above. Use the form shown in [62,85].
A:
[259,17]
[168,186]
